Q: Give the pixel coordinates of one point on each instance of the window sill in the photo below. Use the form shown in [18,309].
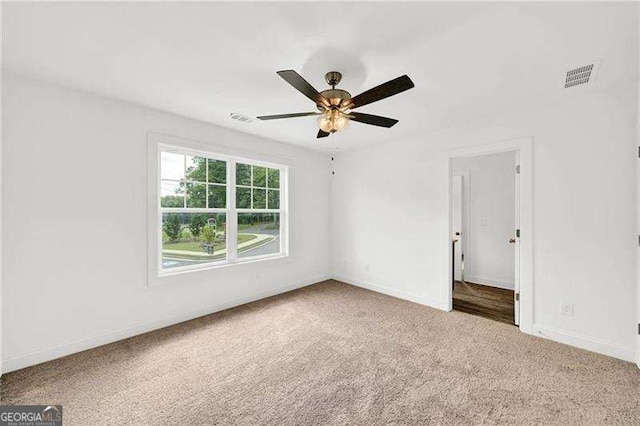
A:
[159,279]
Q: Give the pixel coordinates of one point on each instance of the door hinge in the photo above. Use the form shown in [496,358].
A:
[518,233]
[518,169]
[518,297]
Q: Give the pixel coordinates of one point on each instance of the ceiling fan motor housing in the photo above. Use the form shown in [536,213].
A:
[335,97]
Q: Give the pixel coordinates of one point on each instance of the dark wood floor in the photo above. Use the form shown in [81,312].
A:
[489,302]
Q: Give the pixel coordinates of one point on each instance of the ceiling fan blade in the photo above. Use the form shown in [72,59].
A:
[374,120]
[322,134]
[297,114]
[390,88]
[303,86]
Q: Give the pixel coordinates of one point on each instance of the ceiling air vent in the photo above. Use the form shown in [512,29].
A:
[578,76]
[241,117]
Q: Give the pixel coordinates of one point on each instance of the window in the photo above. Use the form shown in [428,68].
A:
[216,210]
[258,206]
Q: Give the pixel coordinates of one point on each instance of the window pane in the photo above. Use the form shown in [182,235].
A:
[196,195]
[259,198]
[193,238]
[217,171]
[243,198]
[243,174]
[171,166]
[274,178]
[196,169]
[171,194]
[274,199]
[217,196]
[258,234]
[260,176]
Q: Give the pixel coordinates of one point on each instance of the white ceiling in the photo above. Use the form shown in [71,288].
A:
[206,60]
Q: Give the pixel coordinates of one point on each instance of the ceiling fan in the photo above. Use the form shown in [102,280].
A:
[336,105]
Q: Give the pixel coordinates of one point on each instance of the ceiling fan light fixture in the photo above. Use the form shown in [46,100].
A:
[335,105]
[332,121]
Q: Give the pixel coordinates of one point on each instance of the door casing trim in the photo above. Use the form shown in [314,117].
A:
[524,146]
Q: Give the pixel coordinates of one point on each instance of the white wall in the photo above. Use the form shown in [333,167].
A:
[489,258]
[392,205]
[638,199]
[1,173]
[75,224]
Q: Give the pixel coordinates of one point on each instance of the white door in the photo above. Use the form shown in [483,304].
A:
[457,183]
[516,241]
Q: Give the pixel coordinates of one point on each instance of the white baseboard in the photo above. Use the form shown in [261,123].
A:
[26,360]
[589,343]
[581,341]
[490,282]
[438,304]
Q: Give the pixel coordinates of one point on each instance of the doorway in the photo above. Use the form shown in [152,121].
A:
[490,211]
[484,234]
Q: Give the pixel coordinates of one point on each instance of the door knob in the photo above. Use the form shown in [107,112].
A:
[512,240]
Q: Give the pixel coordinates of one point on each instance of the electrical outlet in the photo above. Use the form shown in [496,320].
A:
[367,267]
[566,309]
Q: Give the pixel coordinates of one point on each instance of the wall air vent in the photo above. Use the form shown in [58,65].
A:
[241,117]
[579,76]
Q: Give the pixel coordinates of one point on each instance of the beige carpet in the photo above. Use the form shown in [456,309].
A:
[333,354]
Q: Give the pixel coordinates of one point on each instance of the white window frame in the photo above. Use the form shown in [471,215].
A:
[158,143]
